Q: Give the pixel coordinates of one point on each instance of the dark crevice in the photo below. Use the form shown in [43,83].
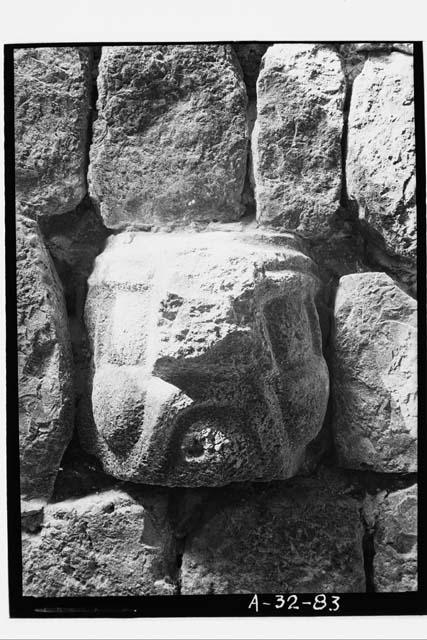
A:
[352,64]
[248,193]
[344,142]
[249,57]
[368,548]
[80,474]
[95,53]
[377,257]
[74,240]
[185,513]
[179,553]
[326,317]
[373,482]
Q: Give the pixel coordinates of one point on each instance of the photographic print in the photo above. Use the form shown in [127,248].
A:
[212,327]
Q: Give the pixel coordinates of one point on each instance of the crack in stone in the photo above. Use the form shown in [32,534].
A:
[93,96]
[351,69]
[368,547]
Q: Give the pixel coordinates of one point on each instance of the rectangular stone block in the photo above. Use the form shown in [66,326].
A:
[45,366]
[296,140]
[103,544]
[381,150]
[300,538]
[170,141]
[395,542]
[374,374]
[52,111]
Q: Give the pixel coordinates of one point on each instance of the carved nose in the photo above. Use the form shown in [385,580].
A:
[188,375]
[127,405]
[231,358]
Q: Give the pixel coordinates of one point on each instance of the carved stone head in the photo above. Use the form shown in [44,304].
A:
[207,365]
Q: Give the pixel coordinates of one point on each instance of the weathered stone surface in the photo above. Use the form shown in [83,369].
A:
[52,86]
[104,544]
[381,150]
[44,365]
[395,541]
[207,362]
[282,539]
[297,137]
[375,374]
[197,354]
[170,140]
[250,56]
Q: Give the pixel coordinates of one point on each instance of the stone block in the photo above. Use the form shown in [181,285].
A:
[374,370]
[296,140]
[52,111]
[207,362]
[170,141]
[395,542]
[301,538]
[381,150]
[105,544]
[45,369]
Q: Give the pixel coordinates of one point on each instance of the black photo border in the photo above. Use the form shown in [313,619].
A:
[210,605]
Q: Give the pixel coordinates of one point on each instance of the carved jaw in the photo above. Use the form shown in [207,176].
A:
[150,431]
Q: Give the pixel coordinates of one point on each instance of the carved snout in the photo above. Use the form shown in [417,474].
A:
[128,406]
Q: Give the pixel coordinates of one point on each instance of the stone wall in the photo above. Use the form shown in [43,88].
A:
[216,259]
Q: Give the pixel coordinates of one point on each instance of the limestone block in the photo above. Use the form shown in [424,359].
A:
[281,539]
[52,106]
[45,372]
[104,544]
[207,364]
[297,137]
[381,150]
[395,541]
[375,374]
[170,140]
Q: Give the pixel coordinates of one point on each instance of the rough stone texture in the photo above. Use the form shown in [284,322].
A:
[52,106]
[297,539]
[197,357]
[395,541]
[250,56]
[297,137]
[207,361]
[44,365]
[381,150]
[375,374]
[170,140]
[105,544]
